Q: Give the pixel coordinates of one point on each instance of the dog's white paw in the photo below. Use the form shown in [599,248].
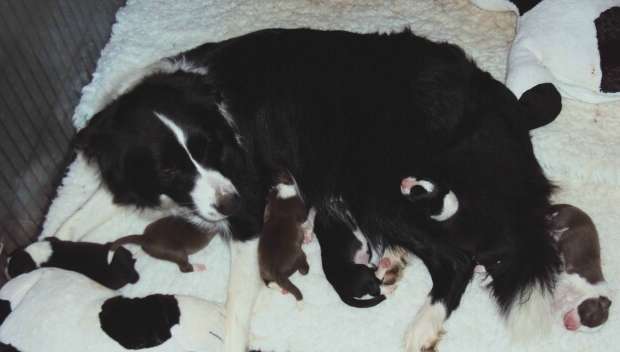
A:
[426,329]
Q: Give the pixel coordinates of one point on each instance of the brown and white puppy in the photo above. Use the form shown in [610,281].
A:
[172,239]
[582,295]
[287,225]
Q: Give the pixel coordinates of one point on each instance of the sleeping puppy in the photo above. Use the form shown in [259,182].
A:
[582,295]
[85,258]
[434,199]
[345,257]
[172,239]
[286,227]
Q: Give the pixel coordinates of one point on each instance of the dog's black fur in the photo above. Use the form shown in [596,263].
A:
[348,114]
[338,248]
[89,259]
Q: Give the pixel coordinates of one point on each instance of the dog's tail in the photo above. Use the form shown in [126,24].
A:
[286,284]
[131,239]
[523,286]
[363,303]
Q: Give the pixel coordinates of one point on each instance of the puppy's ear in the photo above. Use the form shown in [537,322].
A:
[604,302]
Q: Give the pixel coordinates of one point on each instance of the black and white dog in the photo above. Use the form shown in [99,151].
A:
[348,114]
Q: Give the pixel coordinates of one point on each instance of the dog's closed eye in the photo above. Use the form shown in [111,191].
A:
[170,172]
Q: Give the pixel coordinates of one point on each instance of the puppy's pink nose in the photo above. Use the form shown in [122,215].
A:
[406,184]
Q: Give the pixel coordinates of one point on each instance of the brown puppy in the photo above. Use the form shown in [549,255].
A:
[581,294]
[286,227]
[172,239]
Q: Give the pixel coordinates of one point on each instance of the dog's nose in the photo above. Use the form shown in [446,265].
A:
[228,203]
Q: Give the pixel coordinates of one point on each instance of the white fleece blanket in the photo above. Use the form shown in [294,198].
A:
[578,151]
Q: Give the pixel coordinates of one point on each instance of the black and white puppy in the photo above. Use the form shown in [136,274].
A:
[582,294]
[435,199]
[345,256]
[86,258]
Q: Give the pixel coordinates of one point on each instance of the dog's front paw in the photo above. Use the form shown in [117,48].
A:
[426,329]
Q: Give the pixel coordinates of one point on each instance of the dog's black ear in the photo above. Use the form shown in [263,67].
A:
[90,138]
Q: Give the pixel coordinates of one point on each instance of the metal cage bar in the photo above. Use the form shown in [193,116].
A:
[48,51]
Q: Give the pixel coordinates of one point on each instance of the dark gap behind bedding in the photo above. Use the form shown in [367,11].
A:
[48,51]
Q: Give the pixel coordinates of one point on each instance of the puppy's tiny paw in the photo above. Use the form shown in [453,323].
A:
[388,290]
[307,237]
[384,263]
[199,267]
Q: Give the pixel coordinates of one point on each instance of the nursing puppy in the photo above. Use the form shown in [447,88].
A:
[345,257]
[435,199]
[582,294]
[85,258]
[172,239]
[286,227]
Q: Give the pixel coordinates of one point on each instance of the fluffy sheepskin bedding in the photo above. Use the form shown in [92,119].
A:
[578,151]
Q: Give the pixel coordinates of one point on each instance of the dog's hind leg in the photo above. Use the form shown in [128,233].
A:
[451,273]
[243,287]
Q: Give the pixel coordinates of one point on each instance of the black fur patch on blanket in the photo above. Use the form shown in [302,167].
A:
[137,323]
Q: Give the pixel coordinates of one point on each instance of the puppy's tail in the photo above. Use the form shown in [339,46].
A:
[131,239]
[363,303]
[286,284]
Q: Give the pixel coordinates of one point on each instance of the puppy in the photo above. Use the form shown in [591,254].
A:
[434,199]
[582,295]
[172,239]
[345,257]
[285,228]
[85,258]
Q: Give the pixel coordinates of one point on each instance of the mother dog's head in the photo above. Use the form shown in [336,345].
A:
[166,139]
